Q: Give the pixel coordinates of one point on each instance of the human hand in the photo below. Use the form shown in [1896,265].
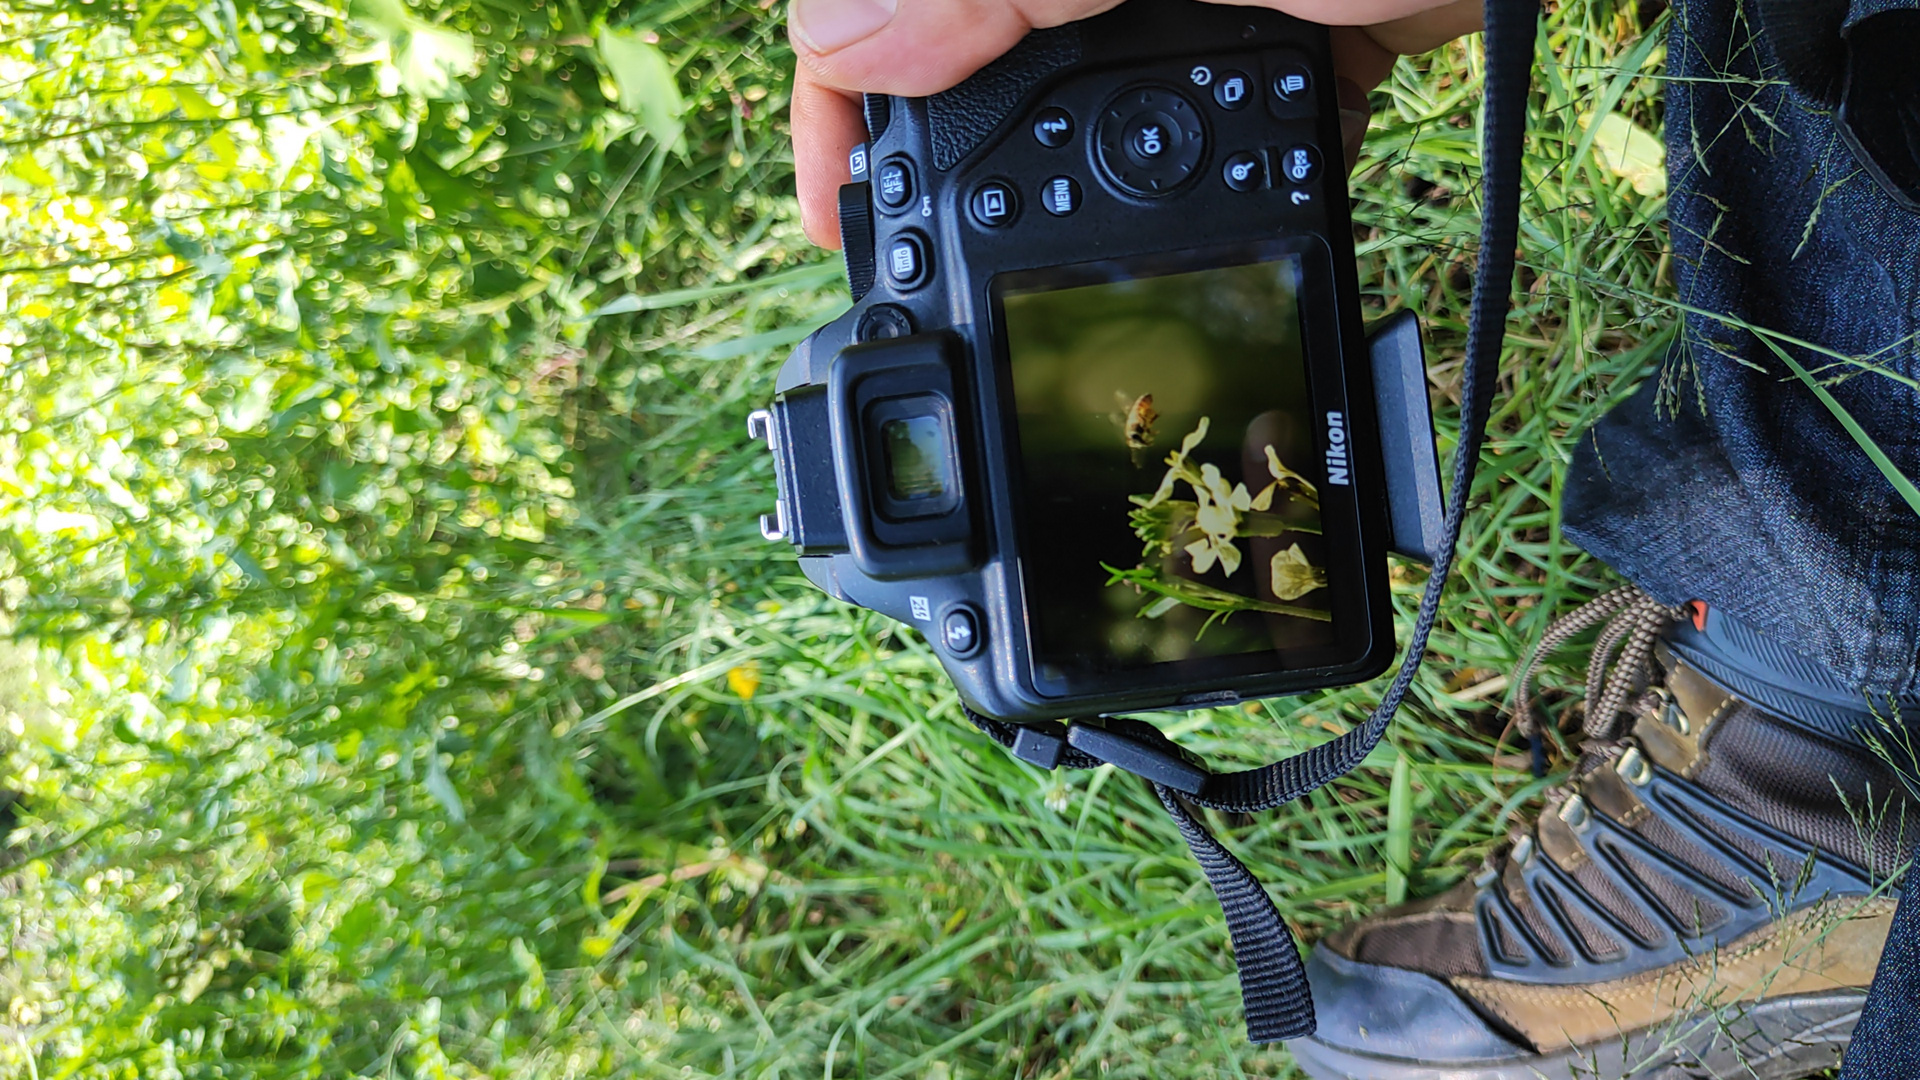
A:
[918,47]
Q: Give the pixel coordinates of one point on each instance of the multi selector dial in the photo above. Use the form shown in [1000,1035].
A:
[1150,140]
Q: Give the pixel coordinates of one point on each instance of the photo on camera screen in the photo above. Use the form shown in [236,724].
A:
[1167,454]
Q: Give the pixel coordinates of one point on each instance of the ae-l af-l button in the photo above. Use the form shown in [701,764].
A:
[895,184]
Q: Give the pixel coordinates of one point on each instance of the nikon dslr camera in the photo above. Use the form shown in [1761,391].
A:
[1103,422]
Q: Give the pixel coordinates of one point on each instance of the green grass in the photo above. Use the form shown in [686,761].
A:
[626,795]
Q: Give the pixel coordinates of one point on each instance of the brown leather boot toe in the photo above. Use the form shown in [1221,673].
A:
[1707,898]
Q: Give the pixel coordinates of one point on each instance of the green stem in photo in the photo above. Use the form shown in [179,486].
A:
[1199,595]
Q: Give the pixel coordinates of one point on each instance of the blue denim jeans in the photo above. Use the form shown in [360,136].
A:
[1727,478]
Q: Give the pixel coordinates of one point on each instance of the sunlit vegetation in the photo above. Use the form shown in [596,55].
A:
[399,685]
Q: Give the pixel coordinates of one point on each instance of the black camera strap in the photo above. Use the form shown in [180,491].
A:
[1273,982]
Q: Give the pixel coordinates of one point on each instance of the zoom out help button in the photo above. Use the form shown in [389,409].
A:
[1300,164]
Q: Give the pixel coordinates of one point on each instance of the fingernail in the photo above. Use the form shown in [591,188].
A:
[831,25]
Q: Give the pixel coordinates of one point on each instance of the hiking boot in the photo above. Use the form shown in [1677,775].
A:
[1707,897]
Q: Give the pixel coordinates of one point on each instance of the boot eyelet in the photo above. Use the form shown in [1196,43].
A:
[1677,719]
[1634,768]
[1575,813]
[1523,852]
[1486,878]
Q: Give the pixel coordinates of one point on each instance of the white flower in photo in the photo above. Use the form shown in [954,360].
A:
[1295,577]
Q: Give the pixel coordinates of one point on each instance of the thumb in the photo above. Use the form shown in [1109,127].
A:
[917,47]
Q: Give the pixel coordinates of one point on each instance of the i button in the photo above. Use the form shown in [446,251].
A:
[1053,127]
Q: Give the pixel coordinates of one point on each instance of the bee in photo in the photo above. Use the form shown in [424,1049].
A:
[1137,429]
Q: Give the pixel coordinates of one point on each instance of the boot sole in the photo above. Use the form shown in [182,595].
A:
[1782,1039]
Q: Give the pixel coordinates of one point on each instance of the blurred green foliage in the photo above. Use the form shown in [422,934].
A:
[400,686]
[308,373]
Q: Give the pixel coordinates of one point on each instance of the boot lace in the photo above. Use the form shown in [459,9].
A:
[1631,623]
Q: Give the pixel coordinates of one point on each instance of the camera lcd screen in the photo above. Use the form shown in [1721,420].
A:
[1170,479]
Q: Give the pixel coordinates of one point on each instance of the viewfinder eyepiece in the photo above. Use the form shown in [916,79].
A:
[917,467]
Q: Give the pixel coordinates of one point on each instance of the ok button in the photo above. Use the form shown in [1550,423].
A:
[1151,138]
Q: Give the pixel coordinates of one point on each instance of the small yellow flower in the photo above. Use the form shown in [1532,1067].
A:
[744,680]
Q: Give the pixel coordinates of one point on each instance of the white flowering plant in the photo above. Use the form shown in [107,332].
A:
[1207,528]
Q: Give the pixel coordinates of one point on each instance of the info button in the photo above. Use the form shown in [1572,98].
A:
[907,261]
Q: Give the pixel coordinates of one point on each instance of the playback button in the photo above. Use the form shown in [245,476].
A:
[992,204]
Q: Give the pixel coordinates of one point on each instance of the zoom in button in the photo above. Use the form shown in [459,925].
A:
[1243,172]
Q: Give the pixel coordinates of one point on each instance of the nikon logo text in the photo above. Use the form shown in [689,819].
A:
[1336,449]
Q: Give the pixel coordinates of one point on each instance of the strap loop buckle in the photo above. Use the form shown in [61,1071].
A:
[1040,744]
[1157,761]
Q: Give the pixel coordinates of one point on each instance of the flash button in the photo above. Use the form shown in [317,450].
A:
[960,632]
